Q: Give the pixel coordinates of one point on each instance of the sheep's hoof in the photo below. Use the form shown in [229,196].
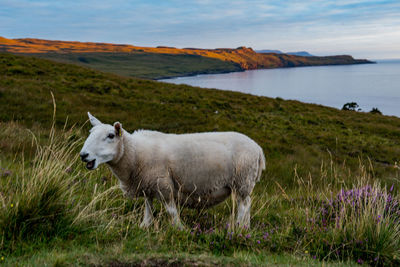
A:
[243,225]
[145,225]
[179,226]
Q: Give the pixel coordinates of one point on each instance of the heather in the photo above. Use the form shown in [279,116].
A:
[361,223]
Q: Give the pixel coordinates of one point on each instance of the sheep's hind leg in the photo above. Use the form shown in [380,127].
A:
[148,213]
[243,215]
[173,212]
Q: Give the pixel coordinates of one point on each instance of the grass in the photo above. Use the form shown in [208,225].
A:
[292,134]
[54,212]
[149,65]
[145,65]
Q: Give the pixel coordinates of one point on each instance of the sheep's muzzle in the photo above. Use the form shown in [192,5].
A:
[90,164]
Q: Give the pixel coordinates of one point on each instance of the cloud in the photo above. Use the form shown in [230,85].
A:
[322,26]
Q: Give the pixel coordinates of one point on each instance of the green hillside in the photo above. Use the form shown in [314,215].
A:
[290,132]
[149,65]
[145,65]
[68,215]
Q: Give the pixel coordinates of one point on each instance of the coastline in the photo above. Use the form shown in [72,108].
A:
[370,86]
[163,62]
[358,62]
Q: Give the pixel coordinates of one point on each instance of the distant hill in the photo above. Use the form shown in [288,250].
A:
[103,56]
[300,53]
[266,51]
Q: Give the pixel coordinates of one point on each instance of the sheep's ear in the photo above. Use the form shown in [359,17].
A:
[93,120]
[118,128]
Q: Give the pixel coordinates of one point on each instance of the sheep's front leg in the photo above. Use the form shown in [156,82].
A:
[148,213]
[173,212]
[243,216]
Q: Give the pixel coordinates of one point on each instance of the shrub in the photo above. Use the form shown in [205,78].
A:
[353,106]
[375,111]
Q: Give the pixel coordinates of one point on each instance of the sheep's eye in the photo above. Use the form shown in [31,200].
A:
[111,136]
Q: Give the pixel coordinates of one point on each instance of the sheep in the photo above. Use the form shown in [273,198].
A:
[194,170]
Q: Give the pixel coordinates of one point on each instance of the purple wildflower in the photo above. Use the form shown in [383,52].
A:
[265,236]
[7,173]
[356,199]
[230,235]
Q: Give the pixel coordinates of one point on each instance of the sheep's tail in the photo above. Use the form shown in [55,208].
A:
[261,164]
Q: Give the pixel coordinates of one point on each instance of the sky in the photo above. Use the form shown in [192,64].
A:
[362,28]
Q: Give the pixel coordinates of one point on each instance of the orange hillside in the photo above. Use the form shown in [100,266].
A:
[245,57]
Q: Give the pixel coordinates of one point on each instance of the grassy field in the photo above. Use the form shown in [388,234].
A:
[54,212]
[145,65]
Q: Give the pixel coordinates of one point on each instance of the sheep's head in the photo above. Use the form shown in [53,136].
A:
[102,144]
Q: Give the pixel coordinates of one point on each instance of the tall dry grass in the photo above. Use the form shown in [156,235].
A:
[38,199]
[335,216]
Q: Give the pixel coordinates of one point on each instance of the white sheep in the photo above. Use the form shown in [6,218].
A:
[195,170]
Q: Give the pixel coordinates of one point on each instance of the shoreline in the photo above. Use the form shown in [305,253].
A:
[343,84]
[242,70]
